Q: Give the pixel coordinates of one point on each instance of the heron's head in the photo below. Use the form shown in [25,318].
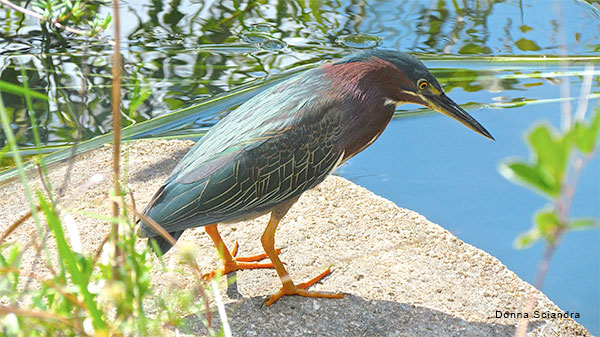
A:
[407,80]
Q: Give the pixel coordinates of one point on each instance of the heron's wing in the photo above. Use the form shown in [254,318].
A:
[264,116]
[294,152]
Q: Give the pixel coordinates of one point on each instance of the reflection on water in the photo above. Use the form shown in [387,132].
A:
[489,55]
[359,41]
[180,53]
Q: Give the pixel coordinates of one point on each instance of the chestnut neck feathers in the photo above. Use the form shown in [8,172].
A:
[366,85]
[370,80]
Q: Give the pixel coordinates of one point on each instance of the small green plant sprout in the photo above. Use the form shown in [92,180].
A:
[557,160]
[553,171]
[65,15]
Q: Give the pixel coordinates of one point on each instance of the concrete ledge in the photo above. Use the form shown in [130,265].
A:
[402,275]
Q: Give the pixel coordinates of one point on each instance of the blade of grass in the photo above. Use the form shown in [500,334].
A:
[20,171]
[221,309]
[70,261]
[15,89]
[36,133]
[45,315]
[14,226]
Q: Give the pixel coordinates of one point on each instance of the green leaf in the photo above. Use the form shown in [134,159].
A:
[586,136]
[548,224]
[527,239]
[107,21]
[580,224]
[138,99]
[551,151]
[79,278]
[527,45]
[532,176]
[546,221]
[15,89]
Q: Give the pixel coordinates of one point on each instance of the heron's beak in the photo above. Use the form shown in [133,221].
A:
[448,107]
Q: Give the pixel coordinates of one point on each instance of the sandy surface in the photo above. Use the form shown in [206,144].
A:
[402,275]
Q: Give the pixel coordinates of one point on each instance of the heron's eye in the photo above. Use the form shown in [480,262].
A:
[422,84]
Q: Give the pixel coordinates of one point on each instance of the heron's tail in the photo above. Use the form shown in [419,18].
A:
[162,243]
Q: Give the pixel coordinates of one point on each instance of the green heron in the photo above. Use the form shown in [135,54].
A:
[263,155]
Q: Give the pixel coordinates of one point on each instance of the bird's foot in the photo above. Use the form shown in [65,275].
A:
[238,263]
[253,258]
[290,289]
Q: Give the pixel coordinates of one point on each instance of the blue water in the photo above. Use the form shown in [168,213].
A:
[437,167]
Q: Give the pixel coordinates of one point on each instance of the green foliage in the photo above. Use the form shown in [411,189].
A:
[585,135]
[551,152]
[78,266]
[534,175]
[138,96]
[546,225]
[548,173]
[89,297]
[15,89]
[73,12]
[81,295]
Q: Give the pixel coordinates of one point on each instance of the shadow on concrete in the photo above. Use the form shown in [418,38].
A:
[350,316]
[165,165]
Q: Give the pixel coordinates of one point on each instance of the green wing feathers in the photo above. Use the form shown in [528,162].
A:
[247,164]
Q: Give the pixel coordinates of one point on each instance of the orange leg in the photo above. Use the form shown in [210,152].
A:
[288,288]
[230,262]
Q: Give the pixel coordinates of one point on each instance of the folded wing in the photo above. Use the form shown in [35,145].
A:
[248,164]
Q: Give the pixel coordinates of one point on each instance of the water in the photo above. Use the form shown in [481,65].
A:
[435,166]
[179,54]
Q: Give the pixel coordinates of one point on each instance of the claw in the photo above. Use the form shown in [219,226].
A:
[238,263]
[300,289]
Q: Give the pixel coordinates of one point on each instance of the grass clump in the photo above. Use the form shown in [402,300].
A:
[96,294]
[68,292]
